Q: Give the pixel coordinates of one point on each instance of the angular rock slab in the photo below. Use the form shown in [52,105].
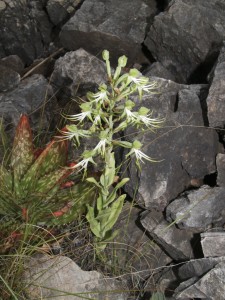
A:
[184,148]
[9,79]
[216,97]
[198,209]
[118,26]
[13,62]
[210,286]
[175,242]
[213,244]
[49,277]
[198,267]
[29,97]
[25,29]
[134,249]
[220,163]
[178,36]
[76,73]
[158,70]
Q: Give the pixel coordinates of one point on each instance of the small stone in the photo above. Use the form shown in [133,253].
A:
[198,209]
[2,5]
[9,79]
[213,244]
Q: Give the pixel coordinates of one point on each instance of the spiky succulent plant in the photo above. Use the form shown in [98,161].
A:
[33,186]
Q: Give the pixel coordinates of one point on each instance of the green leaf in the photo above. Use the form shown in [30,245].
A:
[94,224]
[158,296]
[113,194]
[51,158]
[111,214]
[93,180]
[122,183]
[49,181]
[4,140]
[110,199]
[110,171]
[77,197]
[99,203]
[5,179]
[22,151]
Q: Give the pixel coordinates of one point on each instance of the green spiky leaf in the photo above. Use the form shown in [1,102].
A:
[22,152]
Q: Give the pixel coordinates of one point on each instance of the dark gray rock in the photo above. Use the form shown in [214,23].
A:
[9,79]
[184,148]
[213,243]
[158,70]
[25,29]
[60,10]
[179,41]
[220,163]
[198,209]
[209,286]
[76,73]
[198,267]
[33,96]
[118,26]
[58,276]
[134,250]
[176,242]
[216,97]
[13,62]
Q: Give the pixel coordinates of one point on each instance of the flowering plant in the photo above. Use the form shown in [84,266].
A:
[109,112]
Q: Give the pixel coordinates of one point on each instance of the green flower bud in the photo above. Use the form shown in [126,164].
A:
[105,54]
[122,61]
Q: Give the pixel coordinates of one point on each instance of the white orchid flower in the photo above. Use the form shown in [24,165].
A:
[145,117]
[80,117]
[100,96]
[100,147]
[72,132]
[130,116]
[86,112]
[105,138]
[87,158]
[136,145]
[97,120]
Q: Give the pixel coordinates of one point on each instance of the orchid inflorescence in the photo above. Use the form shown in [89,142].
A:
[110,111]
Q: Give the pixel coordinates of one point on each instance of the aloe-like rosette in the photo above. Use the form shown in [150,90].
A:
[33,189]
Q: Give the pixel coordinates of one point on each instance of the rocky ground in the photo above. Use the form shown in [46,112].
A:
[50,52]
